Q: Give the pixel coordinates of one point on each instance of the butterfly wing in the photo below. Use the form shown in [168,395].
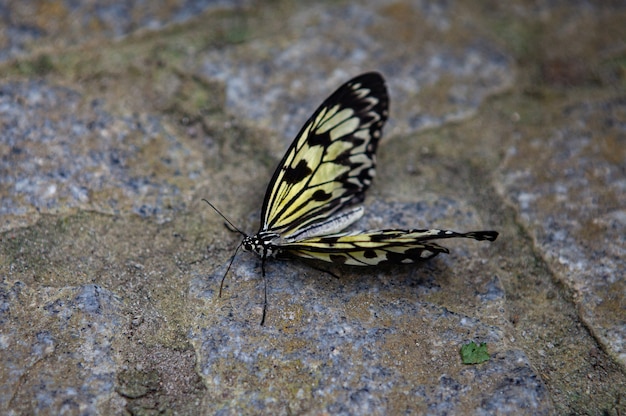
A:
[372,248]
[332,161]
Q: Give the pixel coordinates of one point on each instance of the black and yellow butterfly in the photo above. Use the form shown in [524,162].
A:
[316,188]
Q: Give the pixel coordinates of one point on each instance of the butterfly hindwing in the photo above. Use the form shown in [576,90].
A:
[332,161]
[373,248]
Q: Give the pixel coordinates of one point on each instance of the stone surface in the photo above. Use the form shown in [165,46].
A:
[569,189]
[58,351]
[33,25]
[117,119]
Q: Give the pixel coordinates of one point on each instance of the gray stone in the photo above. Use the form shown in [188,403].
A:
[507,117]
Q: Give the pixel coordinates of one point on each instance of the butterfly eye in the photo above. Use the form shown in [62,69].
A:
[247,243]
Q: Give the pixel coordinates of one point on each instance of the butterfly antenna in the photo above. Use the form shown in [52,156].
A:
[228,268]
[231,225]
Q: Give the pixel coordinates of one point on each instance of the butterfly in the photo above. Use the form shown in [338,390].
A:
[316,190]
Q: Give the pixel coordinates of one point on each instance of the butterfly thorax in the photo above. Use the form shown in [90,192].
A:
[263,244]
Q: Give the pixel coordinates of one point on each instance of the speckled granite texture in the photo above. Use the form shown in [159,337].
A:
[118,118]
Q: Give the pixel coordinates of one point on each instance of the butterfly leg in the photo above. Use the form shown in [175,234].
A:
[264,292]
[323,270]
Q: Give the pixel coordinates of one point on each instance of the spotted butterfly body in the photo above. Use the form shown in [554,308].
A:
[315,192]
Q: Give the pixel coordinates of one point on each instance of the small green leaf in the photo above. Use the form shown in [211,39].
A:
[474,354]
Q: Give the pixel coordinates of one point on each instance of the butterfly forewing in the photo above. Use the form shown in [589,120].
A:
[331,162]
